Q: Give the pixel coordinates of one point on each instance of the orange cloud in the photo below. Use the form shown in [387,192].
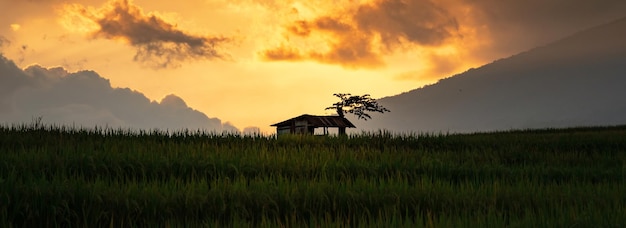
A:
[282,53]
[363,36]
[158,43]
[360,38]
[4,41]
[345,44]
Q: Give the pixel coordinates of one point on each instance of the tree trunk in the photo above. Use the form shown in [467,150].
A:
[340,111]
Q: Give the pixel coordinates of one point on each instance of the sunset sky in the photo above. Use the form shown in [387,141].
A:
[258,62]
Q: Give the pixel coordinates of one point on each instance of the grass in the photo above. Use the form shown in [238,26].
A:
[55,176]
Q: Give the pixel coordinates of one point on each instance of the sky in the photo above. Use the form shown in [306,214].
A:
[252,63]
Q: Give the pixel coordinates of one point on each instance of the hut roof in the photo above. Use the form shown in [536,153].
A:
[318,121]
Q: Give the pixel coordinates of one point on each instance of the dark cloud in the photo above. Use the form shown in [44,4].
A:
[514,26]
[421,22]
[86,99]
[159,44]
[483,30]
[11,78]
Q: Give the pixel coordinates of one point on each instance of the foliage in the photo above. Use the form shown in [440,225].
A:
[357,105]
[54,176]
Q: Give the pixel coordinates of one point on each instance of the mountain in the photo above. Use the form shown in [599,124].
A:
[577,81]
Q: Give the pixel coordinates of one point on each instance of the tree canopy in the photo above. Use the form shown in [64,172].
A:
[357,105]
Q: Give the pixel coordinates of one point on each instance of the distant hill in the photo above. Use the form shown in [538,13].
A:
[576,81]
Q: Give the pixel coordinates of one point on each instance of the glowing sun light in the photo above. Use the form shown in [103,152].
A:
[15,27]
[75,18]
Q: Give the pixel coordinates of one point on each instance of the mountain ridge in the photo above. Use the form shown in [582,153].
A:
[574,81]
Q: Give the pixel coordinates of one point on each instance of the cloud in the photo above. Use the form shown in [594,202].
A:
[346,45]
[252,130]
[11,78]
[86,99]
[509,27]
[4,41]
[159,44]
[479,30]
[284,53]
[360,38]
[396,21]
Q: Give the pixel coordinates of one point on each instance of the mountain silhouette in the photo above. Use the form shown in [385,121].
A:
[576,81]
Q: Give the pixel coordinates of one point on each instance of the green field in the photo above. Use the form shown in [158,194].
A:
[64,177]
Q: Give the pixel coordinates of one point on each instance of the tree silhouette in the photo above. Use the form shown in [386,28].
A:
[357,105]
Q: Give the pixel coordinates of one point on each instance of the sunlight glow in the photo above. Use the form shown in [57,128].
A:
[15,27]
[75,18]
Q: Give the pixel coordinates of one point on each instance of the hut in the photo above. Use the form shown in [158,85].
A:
[306,124]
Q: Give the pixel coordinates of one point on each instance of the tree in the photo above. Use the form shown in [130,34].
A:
[357,105]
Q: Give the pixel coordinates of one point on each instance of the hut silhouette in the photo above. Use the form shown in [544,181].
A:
[306,124]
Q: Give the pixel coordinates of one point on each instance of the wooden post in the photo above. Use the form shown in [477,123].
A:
[342,131]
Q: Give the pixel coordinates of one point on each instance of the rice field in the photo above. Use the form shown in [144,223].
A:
[55,176]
